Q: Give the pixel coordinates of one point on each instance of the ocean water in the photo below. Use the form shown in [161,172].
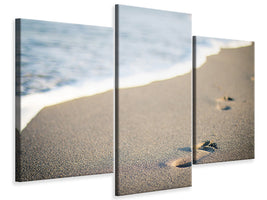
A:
[153,45]
[206,46]
[60,62]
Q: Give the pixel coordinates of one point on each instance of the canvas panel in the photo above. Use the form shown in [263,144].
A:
[64,80]
[223,100]
[153,100]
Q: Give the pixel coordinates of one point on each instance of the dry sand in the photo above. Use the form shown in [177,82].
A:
[69,139]
[225,104]
[154,127]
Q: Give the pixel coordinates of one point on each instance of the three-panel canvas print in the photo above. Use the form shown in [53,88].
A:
[148,99]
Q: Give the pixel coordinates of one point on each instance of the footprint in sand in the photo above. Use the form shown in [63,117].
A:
[207,146]
[222,103]
[180,162]
[203,149]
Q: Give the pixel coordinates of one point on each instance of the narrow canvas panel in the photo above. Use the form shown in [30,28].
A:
[63,123]
[153,100]
[223,100]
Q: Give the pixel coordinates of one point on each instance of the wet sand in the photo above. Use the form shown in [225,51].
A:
[68,139]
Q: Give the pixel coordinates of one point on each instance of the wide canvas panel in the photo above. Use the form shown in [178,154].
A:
[64,78]
[223,100]
[153,100]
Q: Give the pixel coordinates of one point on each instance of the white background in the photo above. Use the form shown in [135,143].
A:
[235,19]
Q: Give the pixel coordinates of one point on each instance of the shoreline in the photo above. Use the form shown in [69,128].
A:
[127,83]
[36,108]
[217,45]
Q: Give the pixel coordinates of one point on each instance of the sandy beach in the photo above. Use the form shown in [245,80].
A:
[225,105]
[154,127]
[68,139]
[75,138]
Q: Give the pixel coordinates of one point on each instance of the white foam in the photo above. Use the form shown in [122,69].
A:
[33,103]
[216,45]
[142,79]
